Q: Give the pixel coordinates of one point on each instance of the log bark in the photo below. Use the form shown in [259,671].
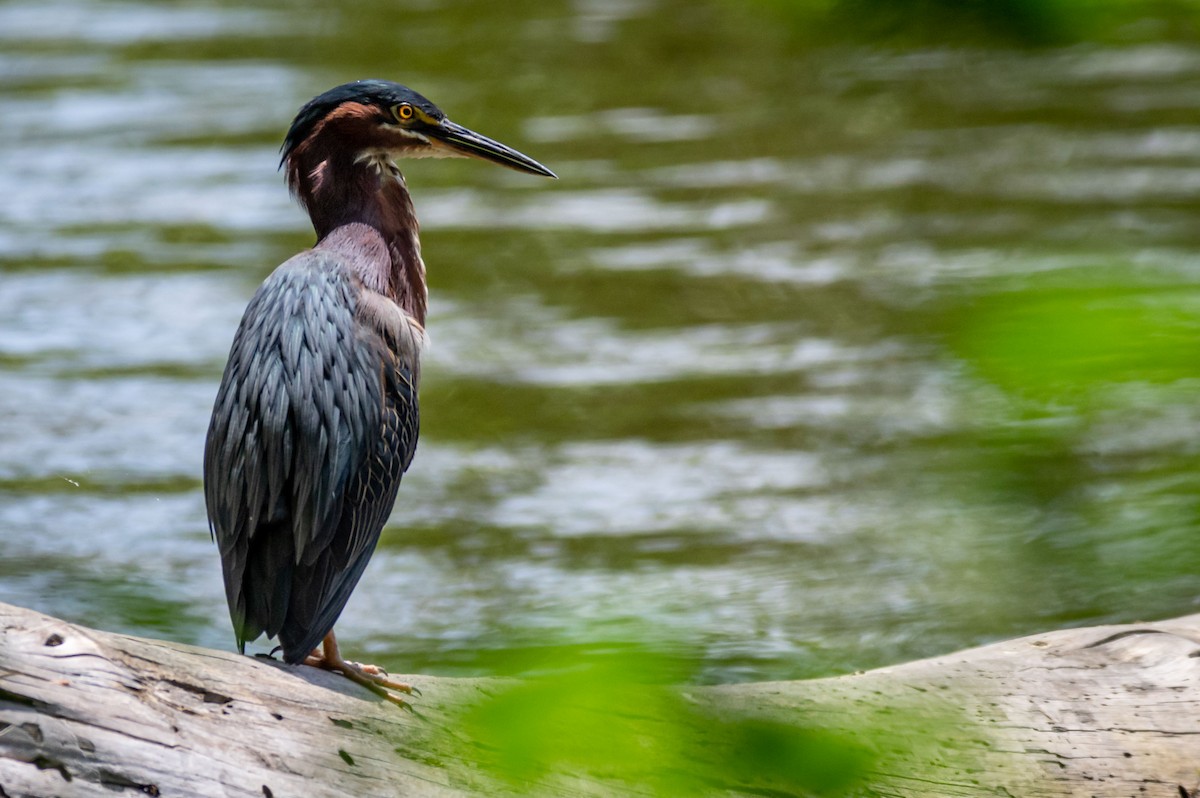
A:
[1101,711]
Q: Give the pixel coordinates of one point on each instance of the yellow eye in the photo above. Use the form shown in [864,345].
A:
[403,112]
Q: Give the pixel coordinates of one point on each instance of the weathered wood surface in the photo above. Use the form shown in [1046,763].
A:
[1103,711]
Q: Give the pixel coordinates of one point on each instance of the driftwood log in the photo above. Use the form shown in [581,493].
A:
[1102,711]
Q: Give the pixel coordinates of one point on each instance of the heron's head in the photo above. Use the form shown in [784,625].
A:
[380,121]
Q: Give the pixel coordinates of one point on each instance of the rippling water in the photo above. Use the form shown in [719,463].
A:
[705,384]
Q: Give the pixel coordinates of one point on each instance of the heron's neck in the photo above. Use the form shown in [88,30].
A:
[338,192]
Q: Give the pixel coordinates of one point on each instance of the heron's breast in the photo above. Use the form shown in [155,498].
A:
[403,334]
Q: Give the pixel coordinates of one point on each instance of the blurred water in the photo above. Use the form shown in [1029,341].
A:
[701,384]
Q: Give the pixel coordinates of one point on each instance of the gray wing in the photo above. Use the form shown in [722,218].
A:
[314,424]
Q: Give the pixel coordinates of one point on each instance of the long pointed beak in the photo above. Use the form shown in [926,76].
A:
[468,143]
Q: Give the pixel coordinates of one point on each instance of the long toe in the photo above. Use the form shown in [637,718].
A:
[371,677]
[380,677]
[379,685]
[371,669]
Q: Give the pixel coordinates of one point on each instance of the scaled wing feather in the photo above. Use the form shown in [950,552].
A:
[314,424]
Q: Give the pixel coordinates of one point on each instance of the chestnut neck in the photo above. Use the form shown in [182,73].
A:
[338,189]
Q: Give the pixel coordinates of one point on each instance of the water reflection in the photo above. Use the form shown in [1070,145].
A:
[715,378]
[112,24]
[632,124]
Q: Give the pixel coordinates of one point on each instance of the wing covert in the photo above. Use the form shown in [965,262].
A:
[313,425]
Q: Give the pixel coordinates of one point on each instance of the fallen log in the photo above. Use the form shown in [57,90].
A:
[1102,711]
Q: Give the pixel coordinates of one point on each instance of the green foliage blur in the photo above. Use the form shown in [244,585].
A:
[1071,344]
[623,716]
[1077,384]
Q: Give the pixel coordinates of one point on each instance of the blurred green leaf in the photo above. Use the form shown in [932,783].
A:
[1068,344]
[814,760]
[625,718]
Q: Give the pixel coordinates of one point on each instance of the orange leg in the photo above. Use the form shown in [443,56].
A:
[371,677]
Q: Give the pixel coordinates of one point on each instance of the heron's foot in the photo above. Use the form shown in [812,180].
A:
[372,677]
[381,677]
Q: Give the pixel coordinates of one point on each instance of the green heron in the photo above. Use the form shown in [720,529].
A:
[316,418]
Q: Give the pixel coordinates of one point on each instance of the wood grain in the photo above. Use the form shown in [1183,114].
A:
[1101,711]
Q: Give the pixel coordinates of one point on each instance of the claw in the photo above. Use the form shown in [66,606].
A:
[371,677]
[373,670]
